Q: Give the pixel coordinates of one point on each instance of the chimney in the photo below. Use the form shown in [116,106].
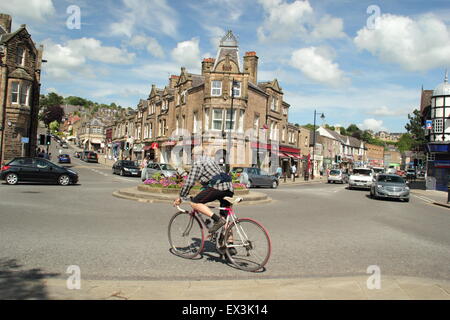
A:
[337,129]
[207,64]
[173,81]
[5,22]
[251,66]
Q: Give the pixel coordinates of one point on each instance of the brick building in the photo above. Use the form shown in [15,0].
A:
[248,126]
[375,155]
[20,65]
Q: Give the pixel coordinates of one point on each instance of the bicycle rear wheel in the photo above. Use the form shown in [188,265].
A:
[252,244]
[186,235]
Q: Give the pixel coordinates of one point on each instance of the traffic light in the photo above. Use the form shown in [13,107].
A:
[127,146]
[416,162]
[42,139]
[48,140]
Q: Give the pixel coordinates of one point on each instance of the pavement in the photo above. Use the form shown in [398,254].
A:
[341,288]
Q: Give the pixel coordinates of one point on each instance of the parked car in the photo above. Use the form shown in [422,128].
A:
[65,145]
[36,170]
[89,156]
[77,154]
[411,174]
[63,158]
[164,169]
[126,168]
[361,178]
[255,177]
[337,175]
[391,170]
[401,173]
[390,186]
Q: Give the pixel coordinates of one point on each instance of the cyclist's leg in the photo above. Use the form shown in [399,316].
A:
[199,203]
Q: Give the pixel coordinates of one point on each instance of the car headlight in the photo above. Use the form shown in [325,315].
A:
[406,188]
[126,169]
[71,171]
[380,186]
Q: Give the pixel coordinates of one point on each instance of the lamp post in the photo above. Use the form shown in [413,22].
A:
[228,164]
[322,116]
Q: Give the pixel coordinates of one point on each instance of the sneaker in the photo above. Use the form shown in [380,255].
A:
[217,225]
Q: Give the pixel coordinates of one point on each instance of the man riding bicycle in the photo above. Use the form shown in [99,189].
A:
[216,185]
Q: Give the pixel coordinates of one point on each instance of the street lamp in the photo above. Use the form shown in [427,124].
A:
[234,84]
[322,116]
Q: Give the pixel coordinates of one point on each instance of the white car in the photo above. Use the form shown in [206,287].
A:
[361,178]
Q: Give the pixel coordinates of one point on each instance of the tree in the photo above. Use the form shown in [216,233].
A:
[352,128]
[54,126]
[76,101]
[52,99]
[52,113]
[405,143]
[309,126]
[414,128]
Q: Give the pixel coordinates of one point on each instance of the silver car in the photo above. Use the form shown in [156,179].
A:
[337,175]
[164,169]
[389,186]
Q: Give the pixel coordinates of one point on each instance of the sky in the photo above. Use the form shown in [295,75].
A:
[361,62]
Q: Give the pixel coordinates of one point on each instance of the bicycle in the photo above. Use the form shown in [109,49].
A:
[187,238]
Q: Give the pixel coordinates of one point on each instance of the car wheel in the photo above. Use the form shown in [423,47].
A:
[406,200]
[64,180]
[274,184]
[329,181]
[12,178]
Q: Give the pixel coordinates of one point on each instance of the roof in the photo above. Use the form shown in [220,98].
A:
[442,89]
[197,80]
[425,99]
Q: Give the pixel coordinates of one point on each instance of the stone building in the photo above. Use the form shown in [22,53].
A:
[20,65]
[375,155]
[91,134]
[225,108]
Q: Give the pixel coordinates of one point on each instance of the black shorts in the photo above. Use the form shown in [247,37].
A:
[212,194]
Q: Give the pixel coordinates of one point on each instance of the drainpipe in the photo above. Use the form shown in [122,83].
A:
[4,98]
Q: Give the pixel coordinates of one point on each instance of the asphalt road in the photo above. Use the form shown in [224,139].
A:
[317,230]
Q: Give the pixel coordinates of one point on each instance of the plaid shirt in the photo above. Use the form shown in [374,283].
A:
[203,170]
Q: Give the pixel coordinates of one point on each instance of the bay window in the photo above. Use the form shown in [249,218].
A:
[216,88]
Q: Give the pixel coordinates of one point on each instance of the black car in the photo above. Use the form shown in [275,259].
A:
[89,156]
[126,168]
[36,170]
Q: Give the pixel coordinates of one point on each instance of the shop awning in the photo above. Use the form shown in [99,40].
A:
[168,143]
[96,141]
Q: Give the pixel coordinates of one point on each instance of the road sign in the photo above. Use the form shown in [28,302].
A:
[429,124]
[25,140]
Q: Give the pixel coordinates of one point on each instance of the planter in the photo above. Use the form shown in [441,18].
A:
[150,189]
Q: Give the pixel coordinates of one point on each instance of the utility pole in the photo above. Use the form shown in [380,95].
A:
[228,165]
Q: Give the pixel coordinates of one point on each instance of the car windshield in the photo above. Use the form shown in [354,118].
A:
[129,163]
[335,172]
[378,170]
[166,167]
[361,172]
[394,179]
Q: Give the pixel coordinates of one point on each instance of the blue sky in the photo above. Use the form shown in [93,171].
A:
[332,56]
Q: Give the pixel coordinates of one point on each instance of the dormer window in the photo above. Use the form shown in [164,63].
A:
[216,88]
[20,57]
[183,96]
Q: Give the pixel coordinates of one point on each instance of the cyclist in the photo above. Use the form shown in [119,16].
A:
[216,185]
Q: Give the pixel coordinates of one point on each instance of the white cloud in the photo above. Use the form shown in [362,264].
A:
[285,20]
[415,45]
[65,60]
[147,15]
[37,10]
[372,124]
[329,27]
[316,65]
[389,112]
[150,44]
[187,53]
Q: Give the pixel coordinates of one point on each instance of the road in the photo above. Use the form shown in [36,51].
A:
[317,230]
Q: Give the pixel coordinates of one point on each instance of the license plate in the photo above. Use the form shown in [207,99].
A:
[135,173]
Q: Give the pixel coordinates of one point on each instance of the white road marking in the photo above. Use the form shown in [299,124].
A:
[423,198]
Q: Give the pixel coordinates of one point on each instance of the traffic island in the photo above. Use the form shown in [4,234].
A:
[150,194]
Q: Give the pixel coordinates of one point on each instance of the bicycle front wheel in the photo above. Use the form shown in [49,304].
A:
[186,235]
[251,242]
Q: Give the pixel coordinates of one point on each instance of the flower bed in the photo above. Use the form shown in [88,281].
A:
[172,185]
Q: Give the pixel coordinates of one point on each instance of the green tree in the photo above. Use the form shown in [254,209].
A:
[54,126]
[414,128]
[51,99]
[352,128]
[52,113]
[405,143]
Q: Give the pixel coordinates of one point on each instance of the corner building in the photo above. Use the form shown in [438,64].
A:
[246,127]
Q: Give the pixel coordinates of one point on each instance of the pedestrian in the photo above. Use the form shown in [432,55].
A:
[105,157]
[294,171]
[279,172]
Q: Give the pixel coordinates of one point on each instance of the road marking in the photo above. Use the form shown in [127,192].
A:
[423,198]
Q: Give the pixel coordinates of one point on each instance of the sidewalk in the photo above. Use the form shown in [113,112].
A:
[433,196]
[300,181]
[343,288]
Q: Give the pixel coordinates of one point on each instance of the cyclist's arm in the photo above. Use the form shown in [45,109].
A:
[193,176]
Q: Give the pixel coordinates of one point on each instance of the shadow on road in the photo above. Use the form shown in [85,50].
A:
[19,284]
[417,185]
